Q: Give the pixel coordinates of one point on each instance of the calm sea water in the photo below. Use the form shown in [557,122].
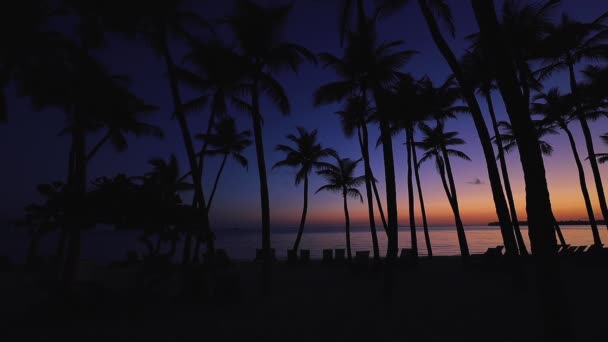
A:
[105,245]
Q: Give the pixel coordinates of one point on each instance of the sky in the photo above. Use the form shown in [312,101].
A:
[33,152]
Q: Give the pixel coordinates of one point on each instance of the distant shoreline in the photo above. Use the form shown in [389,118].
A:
[561,223]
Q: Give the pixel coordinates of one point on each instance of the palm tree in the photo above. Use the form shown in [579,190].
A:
[559,110]
[226,141]
[568,43]
[306,156]
[480,73]
[258,32]
[441,8]
[123,120]
[435,143]
[509,141]
[495,47]
[341,179]
[368,65]
[354,116]
[408,109]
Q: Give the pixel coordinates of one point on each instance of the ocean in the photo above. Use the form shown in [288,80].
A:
[105,245]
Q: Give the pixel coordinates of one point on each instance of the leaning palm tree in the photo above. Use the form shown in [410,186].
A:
[435,143]
[225,141]
[434,10]
[341,179]
[258,31]
[559,110]
[306,156]
[477,69]
[569,43]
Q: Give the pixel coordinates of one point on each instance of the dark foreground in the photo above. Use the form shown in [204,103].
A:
[439,300]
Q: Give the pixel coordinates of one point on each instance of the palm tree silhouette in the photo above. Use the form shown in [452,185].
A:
[306,156]
[408,106]
[435,143]
[559,110]
[495,47]
[258,32]
[480,73]
[368,65]
[123,119]
[508,138]
[442,10]
[226,141]
[355,116]
[341,179]
[568,43]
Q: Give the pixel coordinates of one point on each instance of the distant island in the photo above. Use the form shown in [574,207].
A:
[561,223]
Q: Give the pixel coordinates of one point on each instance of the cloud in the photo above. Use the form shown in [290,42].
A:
[476,181]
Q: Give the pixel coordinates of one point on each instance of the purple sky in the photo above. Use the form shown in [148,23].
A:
[34,153]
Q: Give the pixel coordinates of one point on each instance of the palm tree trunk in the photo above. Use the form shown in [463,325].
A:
[583,182]
[32,249]
[410,191]
[303,219]
[427,237]
[217,180]
[538,202]
[389,178]
[76,210]
[201,166]
[590,150]
[462,238]
[462,242]
[98,146]
[187,137]
[363,143]
[61,244]
[264,200]
[500,202]
[347,220]
[505,176]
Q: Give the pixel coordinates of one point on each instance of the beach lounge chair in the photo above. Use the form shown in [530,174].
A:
[362,257]
[304,255]
[340,254]
[259,255]
[580,250]
[292,256]
[221,257]
[328,255]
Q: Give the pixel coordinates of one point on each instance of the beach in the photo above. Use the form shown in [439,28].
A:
[437,300]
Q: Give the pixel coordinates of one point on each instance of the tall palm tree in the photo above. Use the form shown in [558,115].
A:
[568,43]
[431,8]
[306,156]
[226,141]
[341,179]
[435,143]
[355,116]
[370,66]
[495,47]
[509,141]
[559,110]
[480,73]
[408,109]
[258,32]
